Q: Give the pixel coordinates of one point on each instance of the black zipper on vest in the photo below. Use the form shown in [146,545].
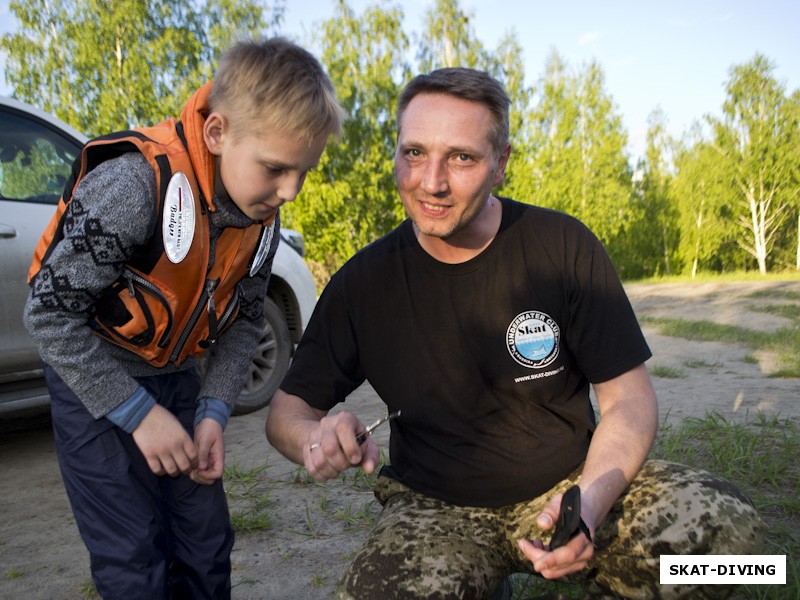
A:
[135,281]
[205,302]
[212,316]
[226,315]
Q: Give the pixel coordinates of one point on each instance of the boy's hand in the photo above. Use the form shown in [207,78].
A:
[166,446]
[208,439]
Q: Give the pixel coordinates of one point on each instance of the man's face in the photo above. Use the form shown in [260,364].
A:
[445,165]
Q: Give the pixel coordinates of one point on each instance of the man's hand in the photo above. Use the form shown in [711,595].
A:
[331,447]
[569,558]
[163,441]
[208,439]
[325,444]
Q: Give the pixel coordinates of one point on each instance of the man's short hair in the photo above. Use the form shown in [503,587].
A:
[467,84]
[277,84]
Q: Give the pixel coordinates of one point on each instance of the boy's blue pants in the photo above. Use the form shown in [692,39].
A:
[148,536]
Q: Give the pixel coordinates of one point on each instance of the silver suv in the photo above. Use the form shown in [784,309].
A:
[36,155]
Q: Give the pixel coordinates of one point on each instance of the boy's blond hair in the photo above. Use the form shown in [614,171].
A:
[275,84]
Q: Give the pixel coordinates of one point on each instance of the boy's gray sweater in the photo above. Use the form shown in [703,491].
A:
[113,213]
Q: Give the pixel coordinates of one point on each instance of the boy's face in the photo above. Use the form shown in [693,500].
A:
[263,169]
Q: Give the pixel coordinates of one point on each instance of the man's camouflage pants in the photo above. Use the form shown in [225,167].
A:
[422,547]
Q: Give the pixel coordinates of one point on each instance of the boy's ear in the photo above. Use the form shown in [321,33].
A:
[214,130]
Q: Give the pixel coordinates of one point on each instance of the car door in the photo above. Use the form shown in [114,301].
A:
[36,155]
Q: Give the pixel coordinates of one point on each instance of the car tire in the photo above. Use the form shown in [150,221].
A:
[269,363]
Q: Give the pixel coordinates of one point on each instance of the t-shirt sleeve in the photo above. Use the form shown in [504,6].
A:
[326,365]
[604,334]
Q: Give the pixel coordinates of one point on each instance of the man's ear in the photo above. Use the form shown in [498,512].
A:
[502,163]
[214,131]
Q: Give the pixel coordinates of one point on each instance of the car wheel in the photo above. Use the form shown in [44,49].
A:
[269,363]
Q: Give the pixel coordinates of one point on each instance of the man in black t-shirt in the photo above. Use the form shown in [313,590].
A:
[486,322]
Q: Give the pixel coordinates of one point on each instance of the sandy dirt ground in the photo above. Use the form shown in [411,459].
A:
[312,529]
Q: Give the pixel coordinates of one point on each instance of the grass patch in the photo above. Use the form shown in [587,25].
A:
[257,518]
[699,363]
[706,331]
[732,276]
[787,311]
[359,518]
[359,480]
[784,342]
[301,477]
[310,525]
[88,591]
[248,493]
[667,372]
[320,580]
[236,475]
[760,456]
[344,503]
[14,573]
[781,294]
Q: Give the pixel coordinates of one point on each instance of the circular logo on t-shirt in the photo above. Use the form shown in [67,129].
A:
[532,339]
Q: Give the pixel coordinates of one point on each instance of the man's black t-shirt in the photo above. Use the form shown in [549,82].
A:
[489,360]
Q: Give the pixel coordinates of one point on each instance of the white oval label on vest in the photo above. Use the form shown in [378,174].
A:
[178,221]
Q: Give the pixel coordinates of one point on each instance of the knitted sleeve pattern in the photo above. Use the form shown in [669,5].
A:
[112,213]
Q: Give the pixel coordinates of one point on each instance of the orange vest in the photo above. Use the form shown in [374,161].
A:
[168,305]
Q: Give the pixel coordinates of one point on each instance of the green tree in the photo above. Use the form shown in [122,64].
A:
[550,127]
[511,71]
[579,164]
[448,39]
[795,108]
[787,239]
[103,66]
[757,139]
[699,189]
[351,200]
[227,21]
[605,176]
[654,233]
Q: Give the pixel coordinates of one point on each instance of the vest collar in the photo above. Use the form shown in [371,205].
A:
[193,117]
